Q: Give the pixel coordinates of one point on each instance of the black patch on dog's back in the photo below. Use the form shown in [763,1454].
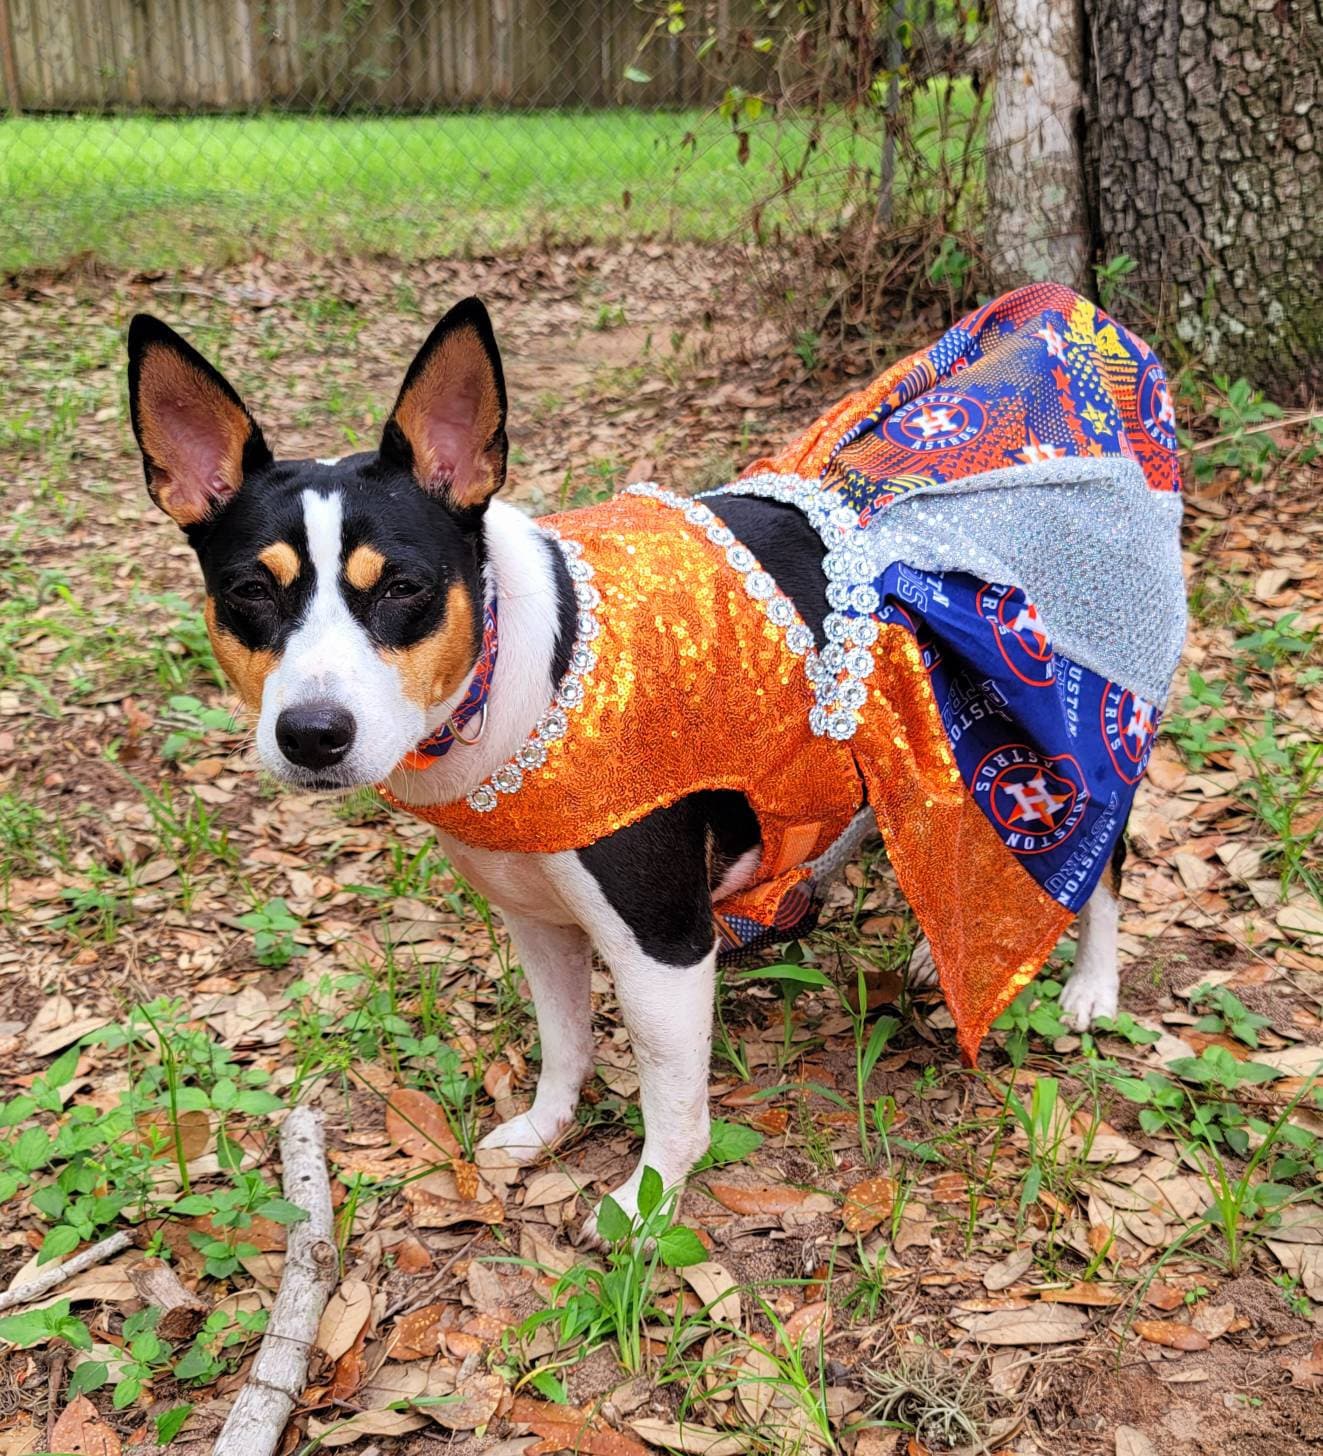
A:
[786,545]
[567,613]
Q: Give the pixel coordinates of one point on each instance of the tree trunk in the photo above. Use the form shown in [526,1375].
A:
[1205,164]
[1037,228]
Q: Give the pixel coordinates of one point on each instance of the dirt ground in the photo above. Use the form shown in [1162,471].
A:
[1053,1273]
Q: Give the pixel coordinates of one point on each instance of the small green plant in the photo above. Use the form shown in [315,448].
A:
[1243,442]
[273,925]
[1111,277]
[591,1306]
[190,722]
[610,316]
[807,344]
[232,1210]
[1198,727]
[951,266]
[1227,1013]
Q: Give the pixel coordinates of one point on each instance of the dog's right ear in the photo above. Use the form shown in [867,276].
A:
[196,436]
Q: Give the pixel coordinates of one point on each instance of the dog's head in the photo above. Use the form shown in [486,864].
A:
[344,600]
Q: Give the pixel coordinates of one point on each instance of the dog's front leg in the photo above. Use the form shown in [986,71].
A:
[668,1013]
[557,962]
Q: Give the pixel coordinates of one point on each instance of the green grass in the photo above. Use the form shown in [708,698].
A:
[150,192]
[158,192]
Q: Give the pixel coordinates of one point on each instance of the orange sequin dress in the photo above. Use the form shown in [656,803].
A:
[690,674]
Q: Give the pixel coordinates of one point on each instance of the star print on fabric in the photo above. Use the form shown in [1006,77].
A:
[1035,801]
[1035,450]
[1056,345]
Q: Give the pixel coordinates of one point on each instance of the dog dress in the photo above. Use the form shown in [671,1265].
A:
[1000,516]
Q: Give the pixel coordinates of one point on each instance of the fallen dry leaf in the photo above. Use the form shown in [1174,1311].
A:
[436,1201]
[689,1438]
[808,1327]
[774,1199]
[1095,1296]
[474,1402]
[568,1428]
[1307,1371]
[366,1423]
[418,1127]
[1133,1442]
[717,1290]
[344,1317]
[1005,1272]
[1171,1333]
[420,1334]
[1038,1325]
[191,1128]
[867,1204]
[80,1429]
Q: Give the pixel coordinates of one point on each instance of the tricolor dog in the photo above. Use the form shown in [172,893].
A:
[655,728]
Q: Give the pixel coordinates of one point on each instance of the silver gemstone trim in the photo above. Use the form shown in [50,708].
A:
[828,671]
[512,775]
[838,673]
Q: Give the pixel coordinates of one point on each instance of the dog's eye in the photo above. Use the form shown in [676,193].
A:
[254,589]
[402,590]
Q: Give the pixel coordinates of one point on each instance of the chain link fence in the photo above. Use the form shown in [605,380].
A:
[158,133]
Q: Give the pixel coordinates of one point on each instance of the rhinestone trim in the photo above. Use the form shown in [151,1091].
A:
[835,675]
[554,724]
[850,628]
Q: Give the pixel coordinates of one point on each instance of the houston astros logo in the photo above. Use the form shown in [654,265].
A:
[1129,724]
[935,421]
[1035,802]
[1157,412]
[1020,633]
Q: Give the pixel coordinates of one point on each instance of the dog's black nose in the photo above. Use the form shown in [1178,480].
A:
[316,735]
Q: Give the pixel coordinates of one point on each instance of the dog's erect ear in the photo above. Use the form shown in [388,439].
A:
[448,425]
[197,438]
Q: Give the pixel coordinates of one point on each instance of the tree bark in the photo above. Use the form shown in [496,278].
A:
[1037,224]
[1205,166]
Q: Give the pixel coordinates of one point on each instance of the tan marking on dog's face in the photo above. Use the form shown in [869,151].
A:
[364,567]
[281,560]
[246,669]
[432,669]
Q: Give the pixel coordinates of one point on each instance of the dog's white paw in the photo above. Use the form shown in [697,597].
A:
[530,1136]
[921,973]
[1087,997]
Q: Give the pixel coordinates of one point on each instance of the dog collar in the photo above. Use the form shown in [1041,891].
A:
[474,705]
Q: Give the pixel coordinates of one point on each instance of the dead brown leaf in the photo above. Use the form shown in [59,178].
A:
[1039,1324]
[417,1126]
[346,1313]
[568,1428]
[867,1204]
[475,1401]
[1171,1333]
[774,1199]
[419,1335]
[80,1429]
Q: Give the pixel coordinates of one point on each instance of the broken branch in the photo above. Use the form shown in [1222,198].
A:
[279,1372]
[52,1277]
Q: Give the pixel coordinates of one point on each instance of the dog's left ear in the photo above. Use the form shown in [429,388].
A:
[448,425]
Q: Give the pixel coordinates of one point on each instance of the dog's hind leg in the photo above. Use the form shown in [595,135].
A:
[1094,984]
[557,961]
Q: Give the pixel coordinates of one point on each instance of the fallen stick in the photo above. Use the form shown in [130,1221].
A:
[55,1274]
[279,1372]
